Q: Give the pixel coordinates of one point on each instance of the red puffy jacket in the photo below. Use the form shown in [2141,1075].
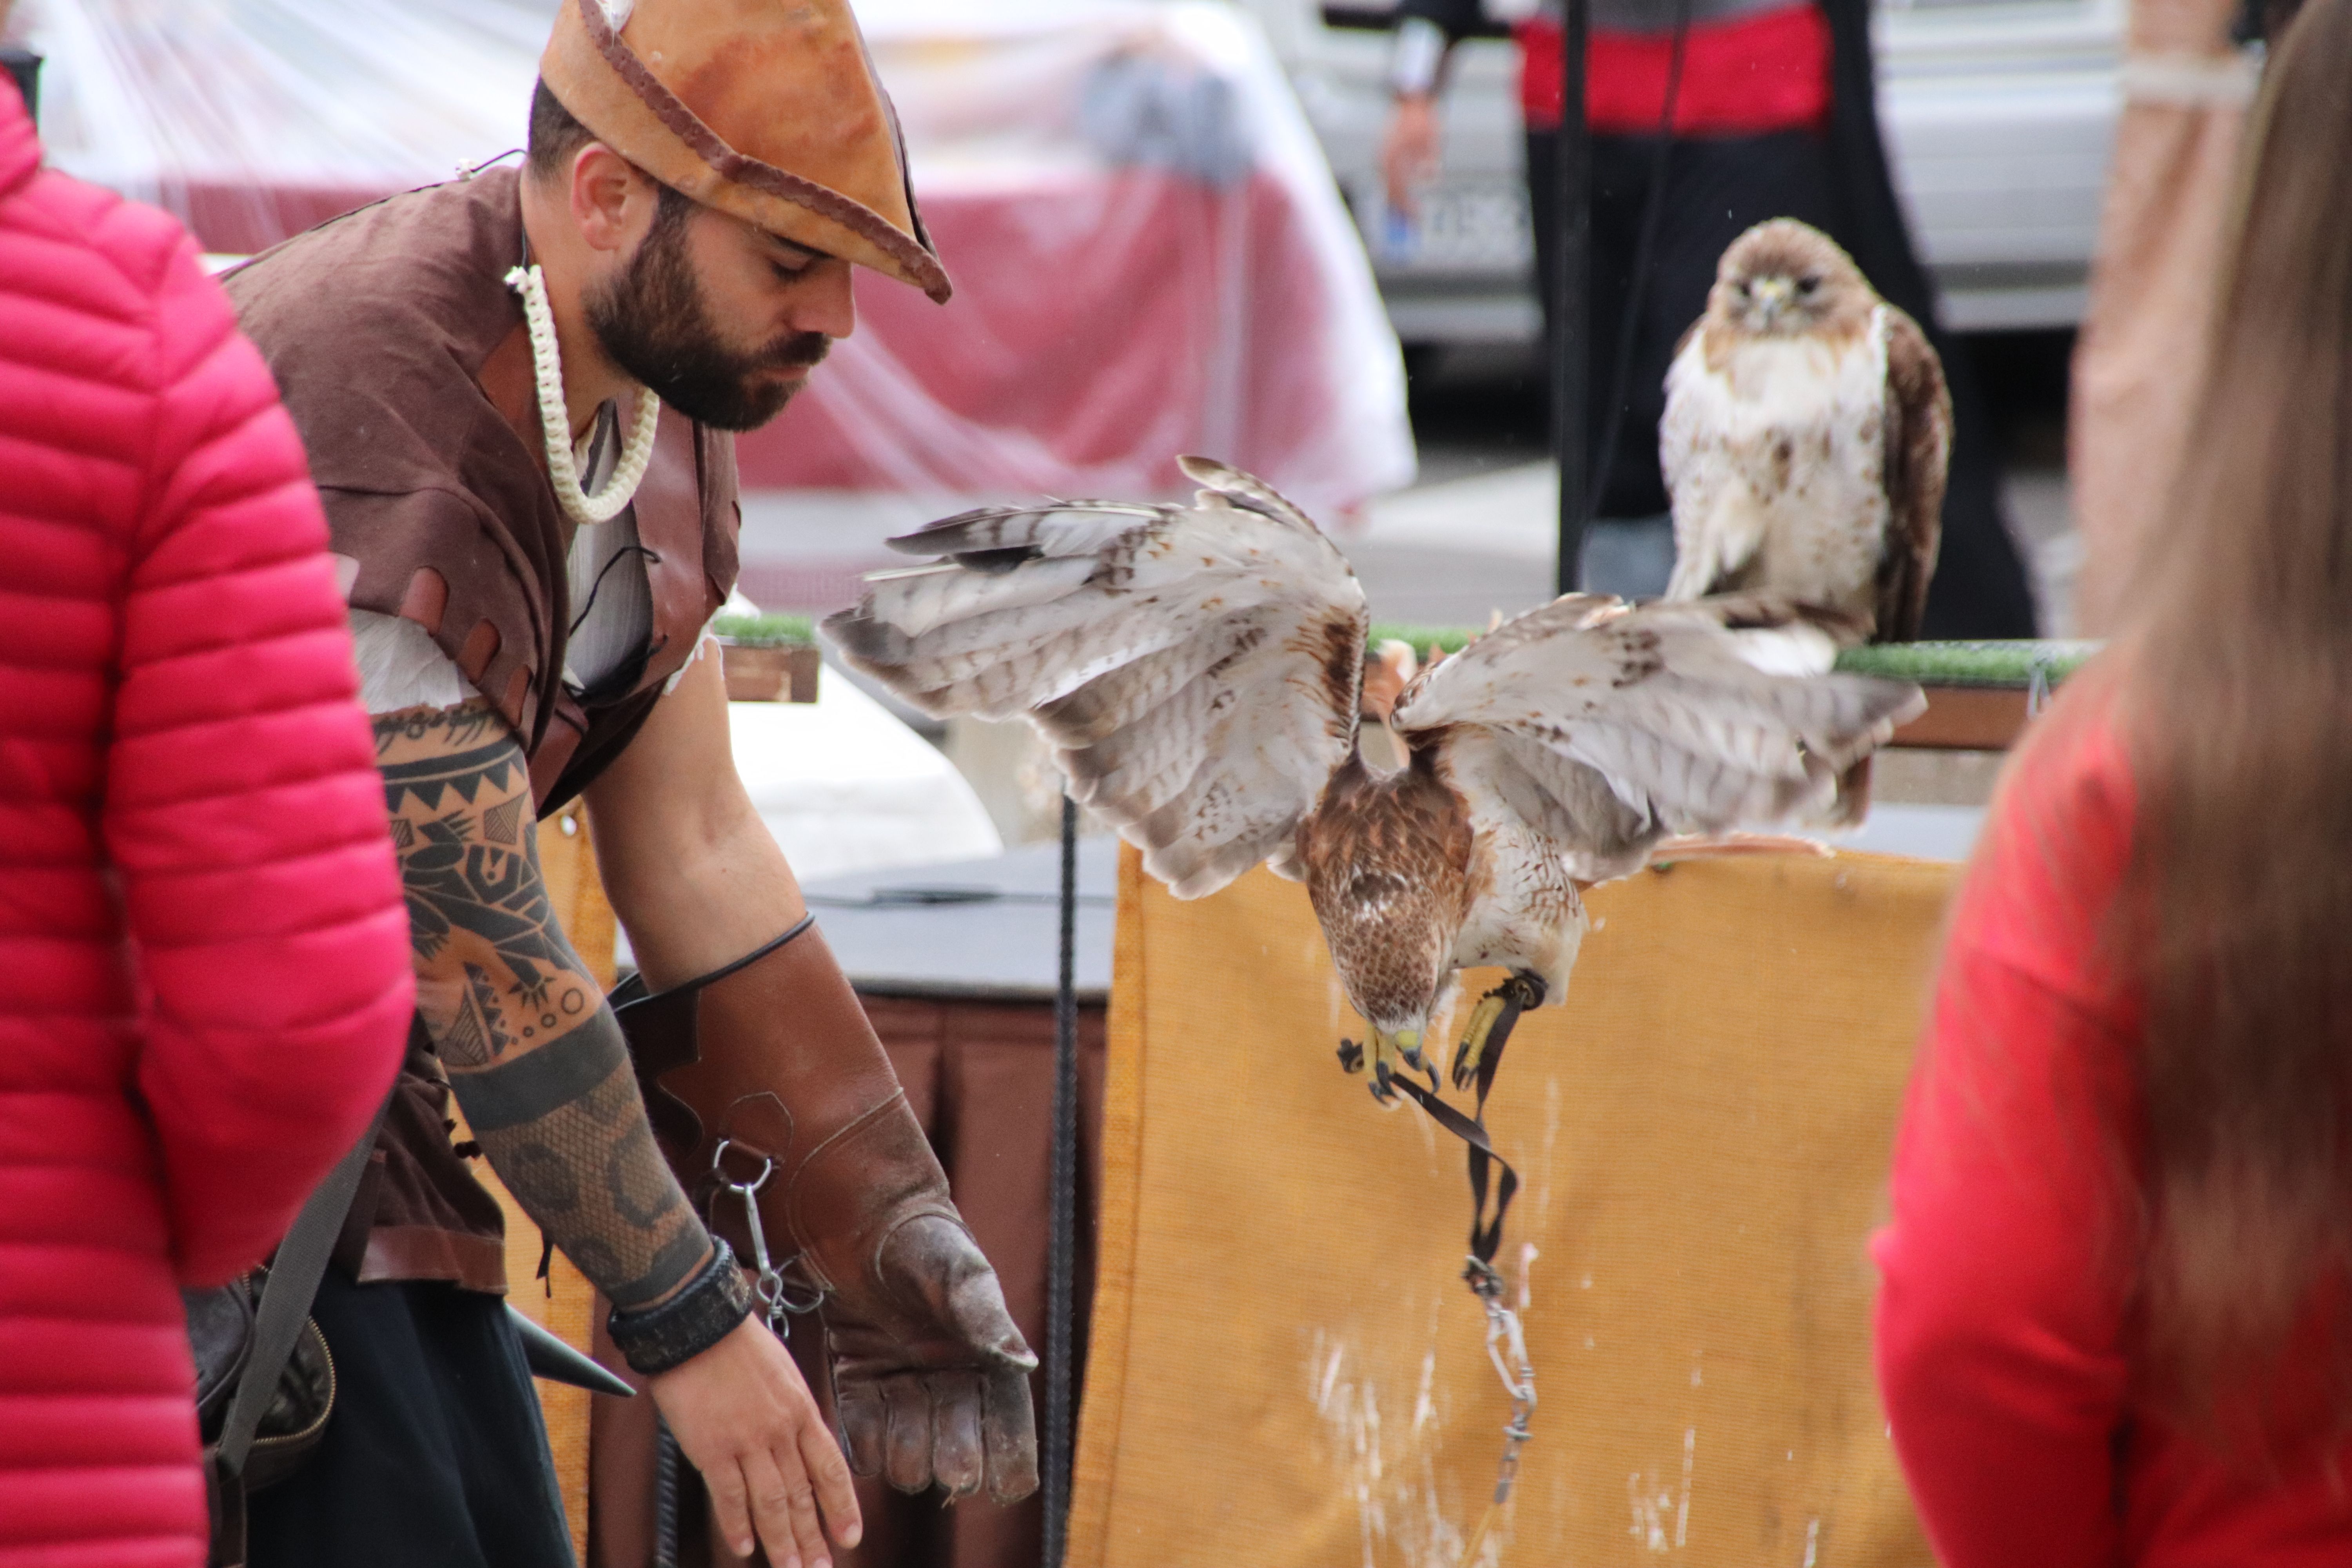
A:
[204,955]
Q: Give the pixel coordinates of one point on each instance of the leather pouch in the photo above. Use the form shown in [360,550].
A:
[220,1338]
[257,1327]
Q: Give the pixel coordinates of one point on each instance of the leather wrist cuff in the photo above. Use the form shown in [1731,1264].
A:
[703,1312]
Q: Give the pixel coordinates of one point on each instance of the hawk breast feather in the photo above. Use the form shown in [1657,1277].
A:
[1809,466]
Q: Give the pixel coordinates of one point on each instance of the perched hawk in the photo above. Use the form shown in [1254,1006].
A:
[1197,669]
[1806,436]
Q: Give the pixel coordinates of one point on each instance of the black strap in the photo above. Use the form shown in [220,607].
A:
[1486,1234]
[287,1295]
[662,1030]
[634,992]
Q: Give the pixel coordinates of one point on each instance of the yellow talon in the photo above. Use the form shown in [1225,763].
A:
[1386,1055]
[1472,1048]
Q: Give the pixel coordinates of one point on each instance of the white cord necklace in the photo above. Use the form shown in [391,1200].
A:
[555,422]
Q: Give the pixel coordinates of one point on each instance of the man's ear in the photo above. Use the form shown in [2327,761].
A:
[612,200]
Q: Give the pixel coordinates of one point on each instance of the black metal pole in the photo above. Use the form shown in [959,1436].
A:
[1061,1268]
[1571,306]
[25,67]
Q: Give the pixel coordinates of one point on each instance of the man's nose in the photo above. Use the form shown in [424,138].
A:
[824,303]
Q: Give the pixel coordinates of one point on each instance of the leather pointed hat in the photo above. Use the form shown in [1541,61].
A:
[769,110]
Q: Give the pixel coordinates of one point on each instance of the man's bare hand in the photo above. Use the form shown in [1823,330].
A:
[1409,151]
[745,1419]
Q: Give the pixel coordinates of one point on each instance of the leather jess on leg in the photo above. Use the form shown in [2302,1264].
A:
[929,1375]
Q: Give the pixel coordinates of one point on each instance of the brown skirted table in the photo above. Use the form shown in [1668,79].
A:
[957,966]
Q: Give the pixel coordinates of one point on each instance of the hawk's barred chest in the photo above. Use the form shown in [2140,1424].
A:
[1777,447]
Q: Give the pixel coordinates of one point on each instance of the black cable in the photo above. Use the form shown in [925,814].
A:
[939,897]
[1061,1265]
[1571,301]
[652,558]
[1653,209]
[667,1460]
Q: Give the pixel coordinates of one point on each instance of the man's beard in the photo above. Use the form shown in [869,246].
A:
[652,322]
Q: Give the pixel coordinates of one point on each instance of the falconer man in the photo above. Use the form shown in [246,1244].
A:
[516,390]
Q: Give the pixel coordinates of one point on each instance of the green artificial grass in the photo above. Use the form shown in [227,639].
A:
[1453,639]
[765,631]
[1995,664]
[1990,664]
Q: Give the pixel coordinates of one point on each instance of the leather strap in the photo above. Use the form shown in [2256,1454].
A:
[286,1297]
[662,1032]
[633,991]
[1486,1232]
[705,1311]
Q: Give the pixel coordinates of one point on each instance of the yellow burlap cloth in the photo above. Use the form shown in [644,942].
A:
[1286,1366]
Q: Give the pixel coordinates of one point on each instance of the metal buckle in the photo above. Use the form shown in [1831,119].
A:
[771,1288]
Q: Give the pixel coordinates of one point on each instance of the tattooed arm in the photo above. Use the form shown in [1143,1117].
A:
[534,1056]
[539,1065]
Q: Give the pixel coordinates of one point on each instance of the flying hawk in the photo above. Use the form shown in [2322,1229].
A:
[1199,668]
[1806,437]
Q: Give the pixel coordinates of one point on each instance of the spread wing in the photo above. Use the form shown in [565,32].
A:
[1622,723]
[1196,669]
[1919,454]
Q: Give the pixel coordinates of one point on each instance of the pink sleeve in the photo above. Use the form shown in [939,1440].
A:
[243,806]
[2006,1267]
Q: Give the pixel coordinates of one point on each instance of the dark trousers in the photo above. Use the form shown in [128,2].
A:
[1716,189]
[435,1456]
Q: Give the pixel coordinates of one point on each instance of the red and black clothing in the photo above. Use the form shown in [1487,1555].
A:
[1747,69]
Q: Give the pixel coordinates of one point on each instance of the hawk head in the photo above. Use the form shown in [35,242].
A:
[1786,278]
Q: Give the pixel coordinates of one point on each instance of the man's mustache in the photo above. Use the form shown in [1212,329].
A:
[802,351]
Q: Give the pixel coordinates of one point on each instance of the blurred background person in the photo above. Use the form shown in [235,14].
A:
[1708,116]
[205,980]
[2186,85]
[2115,1322]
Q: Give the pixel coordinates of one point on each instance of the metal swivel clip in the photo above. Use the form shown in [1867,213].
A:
[773,1290]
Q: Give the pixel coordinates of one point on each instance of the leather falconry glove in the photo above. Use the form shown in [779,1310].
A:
[773,1054]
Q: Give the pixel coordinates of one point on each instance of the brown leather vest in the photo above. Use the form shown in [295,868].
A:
[402,356]
[403,359]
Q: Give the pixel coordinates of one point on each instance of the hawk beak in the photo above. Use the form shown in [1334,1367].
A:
[1772,294]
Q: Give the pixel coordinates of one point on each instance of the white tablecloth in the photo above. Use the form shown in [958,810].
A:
[845,787]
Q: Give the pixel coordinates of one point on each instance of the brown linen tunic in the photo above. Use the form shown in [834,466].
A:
[404,360]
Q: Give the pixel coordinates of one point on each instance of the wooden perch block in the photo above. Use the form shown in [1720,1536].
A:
[771,674]
[1967,718]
